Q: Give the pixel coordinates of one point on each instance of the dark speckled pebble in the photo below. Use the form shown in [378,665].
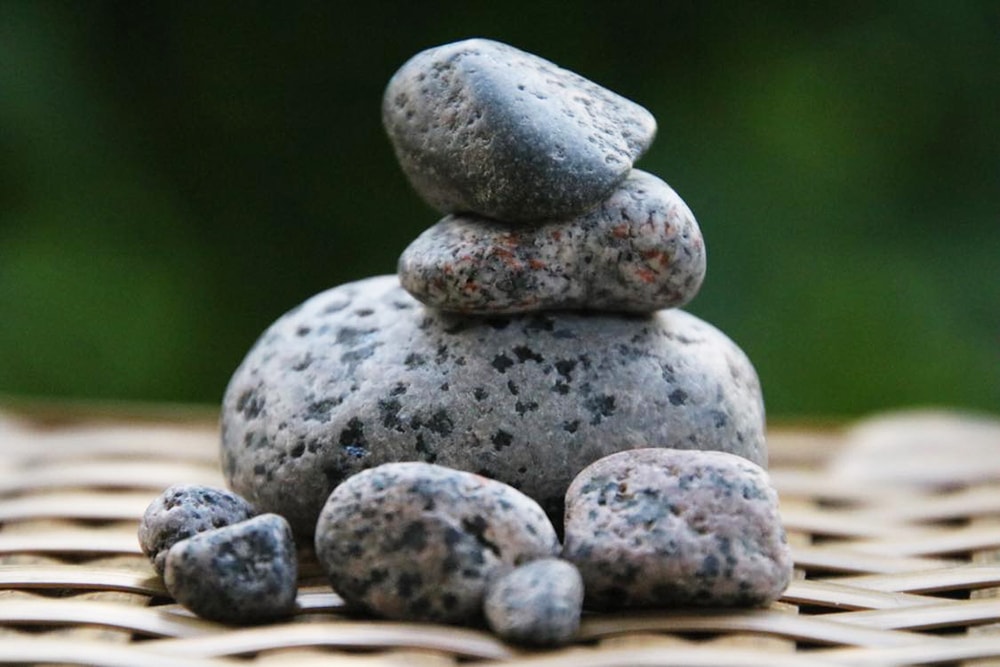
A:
[479,126]
[669,528]
[416,541]
[184,510]
[243,573]
[640,250]
[538,603]
[363,374]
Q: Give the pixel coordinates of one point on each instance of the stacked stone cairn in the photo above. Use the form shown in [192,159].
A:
[527,368]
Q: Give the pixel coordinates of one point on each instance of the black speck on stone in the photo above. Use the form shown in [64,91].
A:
[501,439]
[480,393]
[440,423]
[502,362]
[678,397]
[599,407]
[525,353]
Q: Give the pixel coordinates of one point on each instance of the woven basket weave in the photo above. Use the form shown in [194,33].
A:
[886,574]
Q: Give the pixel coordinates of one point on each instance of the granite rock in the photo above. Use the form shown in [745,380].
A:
[538,603]
[669,528]
[482,127]
[417,541]
[243,573]
[184,510]
[363,374]
[638,251]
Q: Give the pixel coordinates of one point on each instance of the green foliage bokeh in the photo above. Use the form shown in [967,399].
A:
[176,175]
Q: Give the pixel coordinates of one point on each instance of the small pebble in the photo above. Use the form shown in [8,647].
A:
[416,541]
[674,528]
[639,251]
[184,510]
[481,127]
[243,573]
[538,603]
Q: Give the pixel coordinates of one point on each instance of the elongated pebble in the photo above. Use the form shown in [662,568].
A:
[673,528]
[243,573]
[184,510]
[638,251]
[417,541]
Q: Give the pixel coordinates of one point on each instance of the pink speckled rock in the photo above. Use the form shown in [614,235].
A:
[640,250]
[669,528]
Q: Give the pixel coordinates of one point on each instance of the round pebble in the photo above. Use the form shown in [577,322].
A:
[416,541]
[482,127]
[243,573]
[669,528]
[184,510]
[363,374]
[639,251]
[538,603]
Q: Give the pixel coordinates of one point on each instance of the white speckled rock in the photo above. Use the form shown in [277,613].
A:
[363,374]
[184,510]
[667,528]
[638,251]
[418,541]
[243,573]
[479,126]
[538,603]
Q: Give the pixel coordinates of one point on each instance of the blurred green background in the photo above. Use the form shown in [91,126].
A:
[176,175]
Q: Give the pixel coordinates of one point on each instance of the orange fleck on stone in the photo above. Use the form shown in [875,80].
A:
[620,231]
[646,275]
[536,263]
[556,235]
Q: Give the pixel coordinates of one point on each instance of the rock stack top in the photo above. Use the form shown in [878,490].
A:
[481,127]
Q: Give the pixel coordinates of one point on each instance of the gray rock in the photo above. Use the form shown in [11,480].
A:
[363,374]
[184,510]
[667,528]
[640,250]
[417,541]
[479,126]
[538,603]
[243,573]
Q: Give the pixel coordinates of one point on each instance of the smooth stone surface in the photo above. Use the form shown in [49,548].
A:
[184,510]
[482,127]
[417,541]
[363,374]
[674,528]
[243,573]
[638,251]
[538,603]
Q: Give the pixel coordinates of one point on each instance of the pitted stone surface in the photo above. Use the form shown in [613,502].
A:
[639,251]
[417,541]
[184,510]
[538,603]
[479,126]
[665,528]
[243,573]
[363,374]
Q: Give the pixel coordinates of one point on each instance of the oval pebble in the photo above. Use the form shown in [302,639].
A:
[417,541]
[538,603]
[667,528]
[482,127]
[639,251]
[184,510]
[243,573]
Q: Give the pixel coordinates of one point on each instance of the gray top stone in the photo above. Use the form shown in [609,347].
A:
[538,603]
[640,250]
[481,127]
[416,541]
[184,510]
[363,374]
[675,528]
[243,573]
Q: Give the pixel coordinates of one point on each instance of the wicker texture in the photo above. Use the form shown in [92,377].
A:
[887,573]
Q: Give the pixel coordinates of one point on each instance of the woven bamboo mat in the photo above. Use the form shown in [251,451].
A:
[898,562]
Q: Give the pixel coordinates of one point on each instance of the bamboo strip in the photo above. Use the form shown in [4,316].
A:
[108,474]
[88,505]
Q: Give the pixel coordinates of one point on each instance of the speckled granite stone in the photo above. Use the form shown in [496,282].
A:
[479,126]
[363,374]
[184,510]
[417,541]
[538,603]
[666,528]
[639,251]
[243,573]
